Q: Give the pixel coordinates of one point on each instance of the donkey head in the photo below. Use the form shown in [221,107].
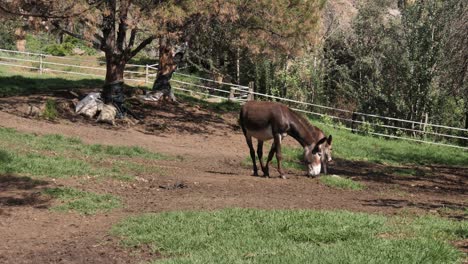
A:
[317,155]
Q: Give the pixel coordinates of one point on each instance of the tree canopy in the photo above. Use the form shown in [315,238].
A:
[122,28]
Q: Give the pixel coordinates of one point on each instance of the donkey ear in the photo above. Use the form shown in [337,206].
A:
[320,142]
[329,140]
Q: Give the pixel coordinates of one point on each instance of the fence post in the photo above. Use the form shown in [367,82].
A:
[146,76]
[40,64]
[232,93]
[353,123]
[426,119]
[250,97]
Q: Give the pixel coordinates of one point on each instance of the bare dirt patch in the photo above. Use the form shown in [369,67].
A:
[207,174]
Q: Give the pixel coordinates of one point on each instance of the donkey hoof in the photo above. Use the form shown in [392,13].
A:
[284,176]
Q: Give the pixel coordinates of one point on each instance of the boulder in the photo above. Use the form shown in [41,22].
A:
[90,105]
[35,111]
[107,114]
[78,51]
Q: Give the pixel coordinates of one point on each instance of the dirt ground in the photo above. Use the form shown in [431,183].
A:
[212,151]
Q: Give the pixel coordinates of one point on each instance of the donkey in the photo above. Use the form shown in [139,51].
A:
[270,120]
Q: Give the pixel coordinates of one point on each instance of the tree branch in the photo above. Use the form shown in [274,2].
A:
[6,10]
[272,32]
[95,43]
[122,32]
[108,27]
[131,42]
[143,44]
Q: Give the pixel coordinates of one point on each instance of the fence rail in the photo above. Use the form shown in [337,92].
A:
[146,74]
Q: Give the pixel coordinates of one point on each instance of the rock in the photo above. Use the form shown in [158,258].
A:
[90,105]
[73,93]
[127,121]
[65,107]
[78,51]
[107,114]
[75,102]
[35,111]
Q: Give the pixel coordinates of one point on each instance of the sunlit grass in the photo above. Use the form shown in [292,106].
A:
[60,157]
[290,236]
[349,146]
[338,182]
[81,201]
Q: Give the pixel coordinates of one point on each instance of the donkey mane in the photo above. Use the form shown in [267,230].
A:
[306,126]
[302,120]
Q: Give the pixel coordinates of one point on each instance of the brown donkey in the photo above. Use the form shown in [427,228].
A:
[270,120]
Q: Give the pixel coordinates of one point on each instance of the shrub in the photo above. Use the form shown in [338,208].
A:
[7,40]
[50,111]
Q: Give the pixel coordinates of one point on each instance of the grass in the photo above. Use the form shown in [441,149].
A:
[81,201]
[60,157]
[27,83]
[50,111]
[287,236]
[225,106]
[338,182]
[349,146]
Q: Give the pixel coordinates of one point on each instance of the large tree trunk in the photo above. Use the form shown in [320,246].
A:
[115,66]
[166,68]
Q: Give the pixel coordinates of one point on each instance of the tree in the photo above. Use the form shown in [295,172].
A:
[122,28]
[453,65]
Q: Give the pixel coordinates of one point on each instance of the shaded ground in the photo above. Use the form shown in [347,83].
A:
[210,169]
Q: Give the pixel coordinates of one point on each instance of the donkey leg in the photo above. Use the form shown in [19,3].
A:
[270,157]
[252,155]
[260,157]
[279,156]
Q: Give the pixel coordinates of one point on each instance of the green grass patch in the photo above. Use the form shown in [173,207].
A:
[287,236]
[81,201]
[50,111]
[354,147]
[30,83]
[222,107]
[349,146]
[59,157]
[338,182]
[405,172]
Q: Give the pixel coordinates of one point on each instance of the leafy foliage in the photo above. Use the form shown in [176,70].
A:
[50,111]
[392,64]
[7,39]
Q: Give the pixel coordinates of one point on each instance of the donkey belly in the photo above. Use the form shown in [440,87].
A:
[261,134]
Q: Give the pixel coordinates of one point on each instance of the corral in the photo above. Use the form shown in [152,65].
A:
[192,157]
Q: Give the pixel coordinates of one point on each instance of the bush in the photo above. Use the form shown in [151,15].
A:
[38,43]
[59,49]
[77,43]
[46,43]
[50,111]
[7,37]
[366,128]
